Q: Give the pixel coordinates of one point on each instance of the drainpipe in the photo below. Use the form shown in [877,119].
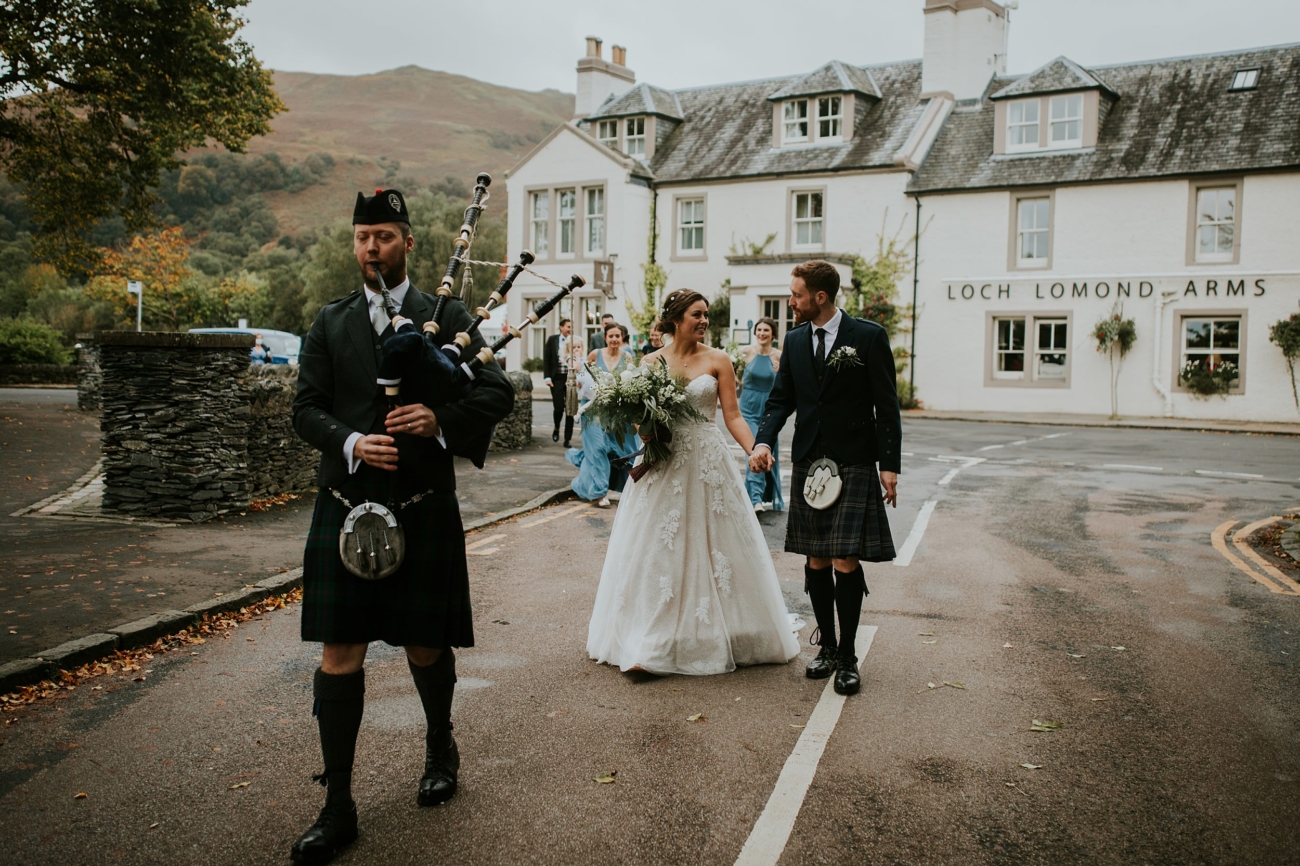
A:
[916,279]
[1165,299]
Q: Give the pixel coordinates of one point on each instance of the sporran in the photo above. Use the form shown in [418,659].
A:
[822,487]
[372,544]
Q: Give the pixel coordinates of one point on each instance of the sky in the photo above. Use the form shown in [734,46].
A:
[687,43]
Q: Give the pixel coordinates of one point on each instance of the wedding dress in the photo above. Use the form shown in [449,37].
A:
[688,585]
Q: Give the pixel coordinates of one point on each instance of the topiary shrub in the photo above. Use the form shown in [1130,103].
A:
[25,341]
[1286,335]
[533,365]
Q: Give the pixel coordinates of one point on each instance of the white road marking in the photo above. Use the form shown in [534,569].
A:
[907,453]
[487,539]
[904,556]
[1136,466]
[1056,435]
[771,832]
[1021,442]
[556,515]
[1216,474]
[991,447]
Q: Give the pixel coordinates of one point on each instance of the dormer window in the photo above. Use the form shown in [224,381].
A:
[830,117]
[607,133]
[1022,125]
[634,140]
[1066,120]
[1245,79]
[795,116]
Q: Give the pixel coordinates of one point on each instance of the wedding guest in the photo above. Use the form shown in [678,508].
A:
[762,361]
[596,475]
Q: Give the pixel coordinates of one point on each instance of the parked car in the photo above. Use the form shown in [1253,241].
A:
[282,345]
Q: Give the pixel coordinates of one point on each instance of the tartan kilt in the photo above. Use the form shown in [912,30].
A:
[424,603]
[856,525]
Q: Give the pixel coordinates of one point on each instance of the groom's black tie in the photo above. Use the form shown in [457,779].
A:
[820,357]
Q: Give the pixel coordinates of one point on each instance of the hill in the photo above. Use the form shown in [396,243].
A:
[409,125]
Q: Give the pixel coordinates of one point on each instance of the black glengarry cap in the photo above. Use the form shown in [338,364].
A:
[385,206]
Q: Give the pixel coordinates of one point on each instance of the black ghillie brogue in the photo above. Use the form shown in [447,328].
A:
[438,785]
[334,830]
[847,681]
[822,666]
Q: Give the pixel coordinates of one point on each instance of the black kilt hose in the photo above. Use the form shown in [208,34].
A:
[424,603]
[856,525]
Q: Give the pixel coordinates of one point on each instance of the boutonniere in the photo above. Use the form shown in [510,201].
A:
[844,356]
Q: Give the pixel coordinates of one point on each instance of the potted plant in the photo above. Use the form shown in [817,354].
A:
[1208,379]
[1115,335]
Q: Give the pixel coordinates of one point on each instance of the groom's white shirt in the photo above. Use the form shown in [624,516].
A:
[832,327]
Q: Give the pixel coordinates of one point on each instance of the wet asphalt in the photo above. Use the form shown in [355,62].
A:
[1067,579]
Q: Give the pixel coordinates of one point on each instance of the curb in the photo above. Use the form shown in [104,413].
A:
[142,632]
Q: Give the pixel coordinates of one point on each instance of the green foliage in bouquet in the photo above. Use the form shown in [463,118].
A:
[648,396]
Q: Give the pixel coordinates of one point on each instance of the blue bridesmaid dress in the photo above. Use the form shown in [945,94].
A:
[596,476]
[760,378]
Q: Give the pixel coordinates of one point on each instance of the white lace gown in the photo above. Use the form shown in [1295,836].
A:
[688,585]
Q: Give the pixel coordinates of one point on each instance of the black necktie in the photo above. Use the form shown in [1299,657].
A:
[820,357]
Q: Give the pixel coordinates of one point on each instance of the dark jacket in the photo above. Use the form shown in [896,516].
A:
[852,409]
[338,395]
[551,358]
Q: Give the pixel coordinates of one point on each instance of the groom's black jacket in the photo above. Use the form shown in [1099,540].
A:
[852,409]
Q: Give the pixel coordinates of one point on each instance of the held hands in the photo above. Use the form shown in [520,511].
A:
[760,460]
[889,481]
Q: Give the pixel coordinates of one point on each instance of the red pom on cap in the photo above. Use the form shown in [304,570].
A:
[378,191]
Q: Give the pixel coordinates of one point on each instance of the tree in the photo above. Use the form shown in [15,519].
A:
[161,262]
[1115,335]
[97,97]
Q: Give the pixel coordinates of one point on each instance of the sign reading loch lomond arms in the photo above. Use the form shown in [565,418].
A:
[1199,287]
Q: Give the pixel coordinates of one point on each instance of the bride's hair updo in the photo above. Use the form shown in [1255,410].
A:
[675,306]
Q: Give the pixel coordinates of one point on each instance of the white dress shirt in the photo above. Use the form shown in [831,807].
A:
[376,305]
[832,328]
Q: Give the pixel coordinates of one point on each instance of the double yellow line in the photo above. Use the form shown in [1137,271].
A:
[1272,578]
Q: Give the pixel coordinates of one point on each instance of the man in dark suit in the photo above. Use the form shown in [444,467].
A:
[597,340]
[837,377]
[403,459]
[555,367]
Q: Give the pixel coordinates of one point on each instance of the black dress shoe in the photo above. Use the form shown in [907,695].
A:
[555,437]
[847,681]
[438,784]
[334,830]
[568,444]
[822,666]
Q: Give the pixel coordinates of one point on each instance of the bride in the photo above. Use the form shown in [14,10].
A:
[688,585]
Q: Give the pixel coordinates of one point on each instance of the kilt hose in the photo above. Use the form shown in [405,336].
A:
[424,603]
[856,525]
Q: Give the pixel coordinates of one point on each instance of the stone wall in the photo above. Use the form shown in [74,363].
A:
[279,461]
[38,374]
[175,420]
[90,378]
[516,430]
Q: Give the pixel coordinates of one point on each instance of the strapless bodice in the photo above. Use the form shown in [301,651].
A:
[702,392]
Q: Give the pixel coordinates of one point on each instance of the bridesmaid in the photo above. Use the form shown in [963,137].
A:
[762,361]
[596,475]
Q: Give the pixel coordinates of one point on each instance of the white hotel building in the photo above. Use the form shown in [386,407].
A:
[1172,186]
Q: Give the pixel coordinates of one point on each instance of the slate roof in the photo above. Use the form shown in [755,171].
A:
[834,77]
[641,99]
[1053,77]
[726,131]
[1172,118]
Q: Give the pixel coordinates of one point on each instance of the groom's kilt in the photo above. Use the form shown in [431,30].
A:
[856,525]
[424,603]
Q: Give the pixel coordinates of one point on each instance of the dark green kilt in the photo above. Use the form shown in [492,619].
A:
[856,525]
[424,603]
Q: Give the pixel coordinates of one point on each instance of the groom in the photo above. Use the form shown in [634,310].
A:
[837,374]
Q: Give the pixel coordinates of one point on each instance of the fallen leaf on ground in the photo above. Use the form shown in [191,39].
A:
[931,686]
[607,779]
[1032,766]
[1119,648]
[138,679]
[697,717]
[1015,787]
[1099,699]
[1044,726]
[153,826]
[1077,655]
[80,795]
[798,726]
[737,698]
[936,640]
[239,785]
[961,686]
[926,633]
[1007,646]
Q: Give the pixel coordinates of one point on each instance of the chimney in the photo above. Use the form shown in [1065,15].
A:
[965,46]
[599,79]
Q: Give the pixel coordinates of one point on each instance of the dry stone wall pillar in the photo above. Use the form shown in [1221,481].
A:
[90,378]
[516,430]
[278,460]
[175,420]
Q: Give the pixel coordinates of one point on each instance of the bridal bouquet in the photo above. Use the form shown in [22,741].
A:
[648,396]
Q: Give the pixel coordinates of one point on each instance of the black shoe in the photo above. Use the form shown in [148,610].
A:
[847,681]
[568,444]
[555,437]
[334,830]
[440,768]
[822,666]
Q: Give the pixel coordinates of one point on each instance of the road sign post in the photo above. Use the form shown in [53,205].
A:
[135,287]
